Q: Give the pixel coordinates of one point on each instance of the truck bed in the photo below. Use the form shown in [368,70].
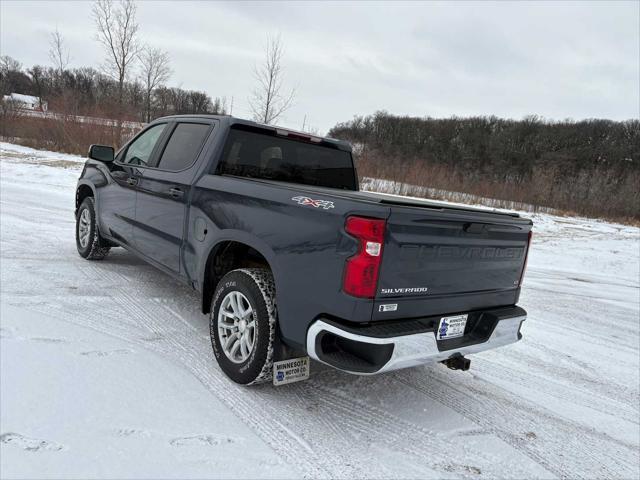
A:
[386,199]
[439,258]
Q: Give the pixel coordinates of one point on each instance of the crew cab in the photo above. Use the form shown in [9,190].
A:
[292,260]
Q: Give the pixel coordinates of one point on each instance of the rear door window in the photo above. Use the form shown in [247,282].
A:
[184,145]
[253,154]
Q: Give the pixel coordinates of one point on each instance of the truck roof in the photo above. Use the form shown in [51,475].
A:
[228,120]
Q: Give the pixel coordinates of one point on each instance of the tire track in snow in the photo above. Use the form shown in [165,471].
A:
[291,419]
[353,417]
[151,317]
[378,423]
[581,396]
[592,454]
[370,421]
[245,404]
[556,365]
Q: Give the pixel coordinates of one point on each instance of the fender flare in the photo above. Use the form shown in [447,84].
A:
[84,183]
[245,238]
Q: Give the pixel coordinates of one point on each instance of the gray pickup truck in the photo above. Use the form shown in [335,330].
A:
[292,260]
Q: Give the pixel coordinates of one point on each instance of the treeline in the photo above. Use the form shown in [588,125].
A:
[74,94]
[589,167]
[86,91]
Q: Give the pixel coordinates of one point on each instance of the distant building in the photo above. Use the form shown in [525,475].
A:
[26,102]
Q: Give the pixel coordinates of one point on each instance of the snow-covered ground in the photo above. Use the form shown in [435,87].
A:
[107,371]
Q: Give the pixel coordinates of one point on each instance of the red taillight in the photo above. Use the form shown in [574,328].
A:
[298,136]
[361,270]
[526,258]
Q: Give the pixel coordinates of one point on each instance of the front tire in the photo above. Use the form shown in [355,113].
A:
[89,243]
[243,325]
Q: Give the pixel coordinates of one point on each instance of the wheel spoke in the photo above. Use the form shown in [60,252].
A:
[235,348]
[234,303]
[240,300]
[244,350]
[84,227]
[230,339]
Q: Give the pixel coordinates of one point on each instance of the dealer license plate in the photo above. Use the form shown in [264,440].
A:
[451,327]
[291,370]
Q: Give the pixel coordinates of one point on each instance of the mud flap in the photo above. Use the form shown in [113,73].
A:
[291,370]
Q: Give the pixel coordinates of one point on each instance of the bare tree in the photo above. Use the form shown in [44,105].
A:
[58,52]
[9,114]
[12,77]
[268,101]
[118,34]
[36,77]
[308,128]
[8,64]
[154,71]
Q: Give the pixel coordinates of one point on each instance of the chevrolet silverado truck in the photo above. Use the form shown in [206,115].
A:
[292,261]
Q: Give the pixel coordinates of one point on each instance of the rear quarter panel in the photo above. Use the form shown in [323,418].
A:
[305,246]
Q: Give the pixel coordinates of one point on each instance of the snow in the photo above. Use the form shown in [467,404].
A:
[107,371]
[113,412]
[12,152]
[19,97]
[452,198]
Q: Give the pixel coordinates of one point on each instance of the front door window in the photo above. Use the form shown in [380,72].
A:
[140,150]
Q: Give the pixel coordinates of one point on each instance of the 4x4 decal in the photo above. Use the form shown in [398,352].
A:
[326,204]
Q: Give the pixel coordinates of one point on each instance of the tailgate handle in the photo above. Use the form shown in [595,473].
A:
[474,227]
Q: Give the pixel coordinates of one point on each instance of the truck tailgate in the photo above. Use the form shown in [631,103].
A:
[448,261]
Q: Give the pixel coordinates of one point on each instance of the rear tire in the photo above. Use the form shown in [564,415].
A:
[89,243]
[243,315]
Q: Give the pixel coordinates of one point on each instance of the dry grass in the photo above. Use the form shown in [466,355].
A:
[68,135]
[601,194]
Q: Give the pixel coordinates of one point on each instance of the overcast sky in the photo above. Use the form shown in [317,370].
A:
[557,60]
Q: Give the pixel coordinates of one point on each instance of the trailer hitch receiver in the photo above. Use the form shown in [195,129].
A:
[458,362]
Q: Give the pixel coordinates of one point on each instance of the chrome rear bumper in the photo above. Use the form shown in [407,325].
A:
[406,350]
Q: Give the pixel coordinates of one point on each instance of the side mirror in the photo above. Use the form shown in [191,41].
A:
[102,153]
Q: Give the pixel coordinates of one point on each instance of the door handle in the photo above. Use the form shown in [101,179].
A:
[176,192]
[133,181]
